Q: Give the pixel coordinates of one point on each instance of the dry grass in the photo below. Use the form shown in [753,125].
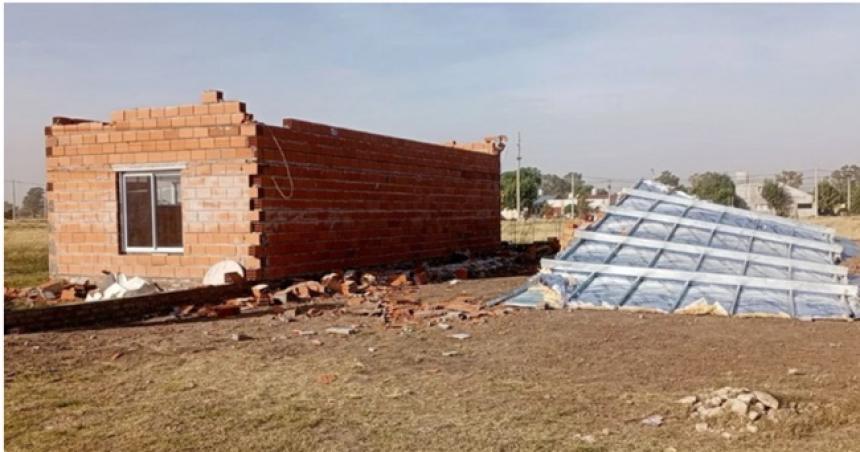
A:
[25,253]
[848,227]
[526,381]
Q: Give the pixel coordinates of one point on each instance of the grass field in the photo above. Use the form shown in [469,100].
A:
[25,253]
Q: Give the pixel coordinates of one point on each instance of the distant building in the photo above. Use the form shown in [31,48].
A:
[597,200]
[750,192]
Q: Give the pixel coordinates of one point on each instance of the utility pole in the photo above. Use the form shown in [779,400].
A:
[572,195]
[14,201]
[519,158]
[815,191]
[848,182]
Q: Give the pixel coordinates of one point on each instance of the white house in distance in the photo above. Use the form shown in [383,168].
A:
[801,205]
[596,201]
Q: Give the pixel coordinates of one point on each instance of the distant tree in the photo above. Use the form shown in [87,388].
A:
[529,185]
[855,199]
[33,204]
[777,197]
[790,178]
[7,210]
[667,178]
[581,186]
[829,198]
[716,187]
[583,209]
[840,178]
[555,186]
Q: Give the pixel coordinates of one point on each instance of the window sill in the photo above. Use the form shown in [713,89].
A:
[154,251]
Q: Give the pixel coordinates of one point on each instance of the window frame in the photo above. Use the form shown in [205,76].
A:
[149,173]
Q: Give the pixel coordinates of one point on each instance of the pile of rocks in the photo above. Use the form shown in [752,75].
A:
[727,404]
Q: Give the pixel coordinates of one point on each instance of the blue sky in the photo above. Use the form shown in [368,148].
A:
[608,90]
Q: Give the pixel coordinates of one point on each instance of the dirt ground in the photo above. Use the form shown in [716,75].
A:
[529,380]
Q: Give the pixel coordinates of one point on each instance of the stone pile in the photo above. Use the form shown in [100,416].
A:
[731,404]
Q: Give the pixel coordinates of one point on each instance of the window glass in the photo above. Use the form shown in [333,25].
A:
[138,218]
[168,211]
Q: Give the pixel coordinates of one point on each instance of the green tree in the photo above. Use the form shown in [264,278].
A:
[715,187]
[555,186]
[790,178]
[529,185]
[841,178]
[829,198]
[855,199]
[581,186]
[667,178]
[777,197]
[33,204]
[583,209]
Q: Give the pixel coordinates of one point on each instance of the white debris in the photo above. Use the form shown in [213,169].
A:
[216,275]
[654,420]
[122,288]
[460,336]
[344,330]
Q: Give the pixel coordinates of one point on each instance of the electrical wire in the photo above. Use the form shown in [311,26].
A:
[286,164]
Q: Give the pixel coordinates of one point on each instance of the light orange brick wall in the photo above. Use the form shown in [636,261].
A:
[212,140]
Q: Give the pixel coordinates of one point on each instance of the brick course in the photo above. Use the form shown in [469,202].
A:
[357,198]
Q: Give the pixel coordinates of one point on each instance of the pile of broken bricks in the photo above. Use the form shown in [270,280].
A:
[64,291]
[49,293]
[388,295]
[394,301]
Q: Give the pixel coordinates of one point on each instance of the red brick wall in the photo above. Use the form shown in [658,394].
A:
[214,142]
[358,199]
[362,199]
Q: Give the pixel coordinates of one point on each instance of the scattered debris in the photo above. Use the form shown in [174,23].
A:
[122,287]
[460,336]
[730,403]
[793,371]
[344,331]
[327,378]
[239,337]
[450,353]
[655,420]
[585,438]
[218,273]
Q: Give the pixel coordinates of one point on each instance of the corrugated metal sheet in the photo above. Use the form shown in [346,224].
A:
[666,251]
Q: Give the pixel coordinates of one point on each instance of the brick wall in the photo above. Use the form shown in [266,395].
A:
[360,199]
[356,199]
[214,142]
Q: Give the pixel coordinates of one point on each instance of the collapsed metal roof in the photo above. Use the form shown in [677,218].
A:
[665,251]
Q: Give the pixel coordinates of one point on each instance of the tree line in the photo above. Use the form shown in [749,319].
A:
[32,206]
[833,190]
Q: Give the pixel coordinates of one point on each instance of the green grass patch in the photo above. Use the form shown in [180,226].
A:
[25,253]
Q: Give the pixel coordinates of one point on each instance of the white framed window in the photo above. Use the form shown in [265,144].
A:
[151,211]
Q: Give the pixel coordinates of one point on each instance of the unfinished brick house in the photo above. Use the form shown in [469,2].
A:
[166,192]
